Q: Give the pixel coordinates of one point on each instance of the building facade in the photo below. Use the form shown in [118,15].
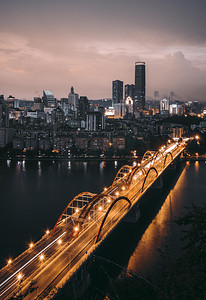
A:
[117,91]
[139,85]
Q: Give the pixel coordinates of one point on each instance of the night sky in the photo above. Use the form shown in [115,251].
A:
[53,44]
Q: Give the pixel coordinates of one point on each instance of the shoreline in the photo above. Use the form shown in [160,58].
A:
[72,158]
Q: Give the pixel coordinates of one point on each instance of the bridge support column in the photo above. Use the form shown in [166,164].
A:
[172,166]
[134,215]
[158,184]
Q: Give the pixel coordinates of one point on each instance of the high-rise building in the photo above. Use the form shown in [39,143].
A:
[83,107]
[119,110]
[164,106]
[57,116]
[48,99]
[117,92]
[1,109]
[129,91]
[139,85]
[176,109]
[4,113]
[11,102]
[95,121]
[73,99]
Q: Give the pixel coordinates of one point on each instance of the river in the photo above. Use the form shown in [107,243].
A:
[34,193]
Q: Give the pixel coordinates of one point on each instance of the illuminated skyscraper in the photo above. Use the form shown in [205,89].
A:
[139,85]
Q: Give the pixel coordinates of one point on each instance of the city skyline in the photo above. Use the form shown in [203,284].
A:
[89,44]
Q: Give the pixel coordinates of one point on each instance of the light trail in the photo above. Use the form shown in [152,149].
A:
[8,288]
[32,259]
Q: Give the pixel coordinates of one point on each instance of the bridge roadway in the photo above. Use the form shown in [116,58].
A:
[83,225]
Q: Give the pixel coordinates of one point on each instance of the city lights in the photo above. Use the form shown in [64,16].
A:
[41,257]
[59,241]
[19,276]
[9,261]
[31,245]
[47,231]
[76,228]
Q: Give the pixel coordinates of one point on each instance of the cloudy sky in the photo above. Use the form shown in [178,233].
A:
[53,44]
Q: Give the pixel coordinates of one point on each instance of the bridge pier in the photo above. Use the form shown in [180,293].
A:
[158,184]
[133,215]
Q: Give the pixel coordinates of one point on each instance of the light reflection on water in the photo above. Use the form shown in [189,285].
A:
[163,233]
[38,192]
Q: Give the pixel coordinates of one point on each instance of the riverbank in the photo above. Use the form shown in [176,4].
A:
[59,158]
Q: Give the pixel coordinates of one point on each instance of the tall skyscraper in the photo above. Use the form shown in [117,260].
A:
[139,85]
[1,109]
[117,92]
[83,107]
[129,91]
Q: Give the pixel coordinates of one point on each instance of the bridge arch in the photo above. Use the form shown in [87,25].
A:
[147,154]
[123,172]
[97,198]
[107,213]
[133,173]
[168,153]
[157,153]
[74,205]
[151,169]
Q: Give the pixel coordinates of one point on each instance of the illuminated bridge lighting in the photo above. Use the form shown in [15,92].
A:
[83,235]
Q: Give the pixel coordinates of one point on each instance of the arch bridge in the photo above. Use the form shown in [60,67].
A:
[84,223]
[98,210]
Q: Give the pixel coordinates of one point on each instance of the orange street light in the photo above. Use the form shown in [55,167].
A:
[76,228]
[59,242]
[19,276]
[41,257]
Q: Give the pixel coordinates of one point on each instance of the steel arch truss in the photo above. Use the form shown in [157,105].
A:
[157,154]
[122,174]
[107,213]
[98,203]
[169,153]
[73,209]
[134,175]
[151,169]
[148,154]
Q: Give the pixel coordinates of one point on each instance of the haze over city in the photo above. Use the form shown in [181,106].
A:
[87,44]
